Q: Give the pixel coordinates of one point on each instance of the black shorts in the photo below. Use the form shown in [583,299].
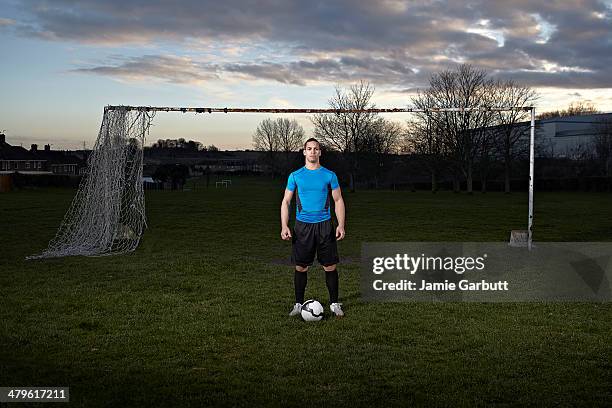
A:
[311,238]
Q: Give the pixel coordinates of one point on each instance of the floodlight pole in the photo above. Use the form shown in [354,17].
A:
[531,175]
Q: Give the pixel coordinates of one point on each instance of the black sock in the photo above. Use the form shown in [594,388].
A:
[331,279]
[300,279]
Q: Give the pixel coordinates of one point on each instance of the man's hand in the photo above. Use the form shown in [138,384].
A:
[286,234]
[339,233]
[339,208]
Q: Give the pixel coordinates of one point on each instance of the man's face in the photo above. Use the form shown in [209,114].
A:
[312,151]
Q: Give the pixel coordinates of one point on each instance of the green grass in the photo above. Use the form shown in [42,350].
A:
[198,314]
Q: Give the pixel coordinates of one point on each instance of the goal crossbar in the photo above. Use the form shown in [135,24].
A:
[314,110]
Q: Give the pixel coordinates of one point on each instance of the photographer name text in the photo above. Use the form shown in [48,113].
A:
[411,265]
[428,286]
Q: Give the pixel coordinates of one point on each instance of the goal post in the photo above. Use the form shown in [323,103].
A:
[107,214]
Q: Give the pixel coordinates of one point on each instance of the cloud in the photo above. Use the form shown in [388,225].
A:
[6,22]
[182,70]
[392,42]
[562,79]
[166,68]
[270,71]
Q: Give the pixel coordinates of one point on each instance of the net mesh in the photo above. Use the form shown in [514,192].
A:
[107,215]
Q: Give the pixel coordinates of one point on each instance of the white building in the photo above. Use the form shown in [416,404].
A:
[571,136]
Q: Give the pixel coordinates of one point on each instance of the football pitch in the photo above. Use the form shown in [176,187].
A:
[197,315]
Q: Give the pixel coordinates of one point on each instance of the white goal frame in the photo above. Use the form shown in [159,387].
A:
[121,234]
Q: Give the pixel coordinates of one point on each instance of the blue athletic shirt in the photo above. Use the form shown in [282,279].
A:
[312,189]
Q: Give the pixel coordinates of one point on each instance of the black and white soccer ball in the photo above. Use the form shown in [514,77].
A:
[312,311]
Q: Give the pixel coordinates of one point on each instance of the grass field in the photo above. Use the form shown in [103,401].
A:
[198,314]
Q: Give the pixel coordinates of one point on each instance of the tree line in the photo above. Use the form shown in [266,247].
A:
[459,145]
[181,143]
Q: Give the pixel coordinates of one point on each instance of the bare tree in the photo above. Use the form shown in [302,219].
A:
[509,127]
[462,133]
[382,136]
[381,139]
[574,108]
[265,138]
[424,138]
[345,131]
[290,135]
[278,136]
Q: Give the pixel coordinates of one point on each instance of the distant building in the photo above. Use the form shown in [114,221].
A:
[18,159]
[227,165]
[200,162]
[571,136]
[59,162]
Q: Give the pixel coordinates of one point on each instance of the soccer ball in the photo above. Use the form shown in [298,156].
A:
[312,311]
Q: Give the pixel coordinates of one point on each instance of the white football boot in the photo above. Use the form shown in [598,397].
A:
[297,308]
[336,309]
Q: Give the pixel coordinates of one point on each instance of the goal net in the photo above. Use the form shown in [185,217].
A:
[107,215]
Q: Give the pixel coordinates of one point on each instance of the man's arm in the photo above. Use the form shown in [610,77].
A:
[285,230]
[339,206]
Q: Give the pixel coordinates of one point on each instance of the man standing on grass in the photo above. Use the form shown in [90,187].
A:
[314,230]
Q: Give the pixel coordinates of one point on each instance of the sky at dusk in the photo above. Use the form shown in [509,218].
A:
[63,61]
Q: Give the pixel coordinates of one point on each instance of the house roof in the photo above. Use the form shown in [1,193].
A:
[8,152]
[583,119]
[56,157]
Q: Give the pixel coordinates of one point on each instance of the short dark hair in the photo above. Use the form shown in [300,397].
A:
[312,139]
